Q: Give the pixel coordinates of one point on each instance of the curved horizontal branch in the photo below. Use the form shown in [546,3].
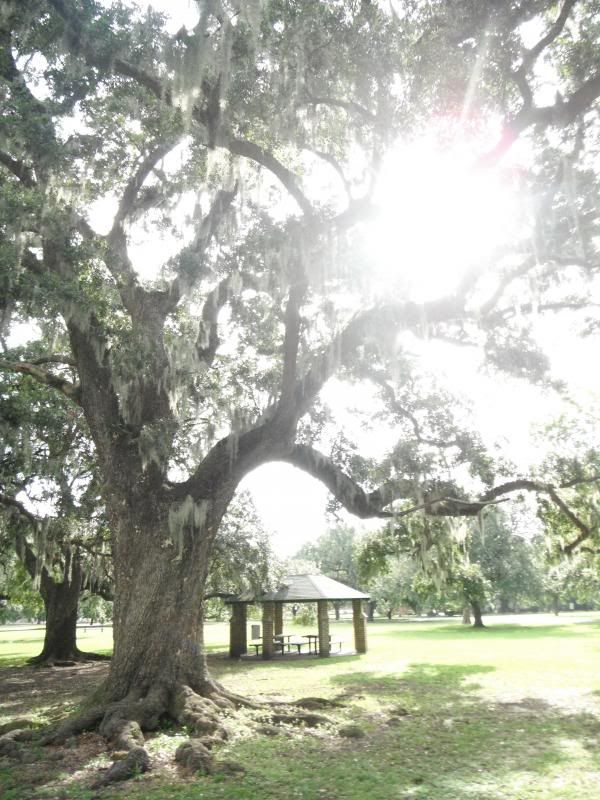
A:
[243,147]
[532,486]
[70,390]
[360,503]
[347,105]
[58,358]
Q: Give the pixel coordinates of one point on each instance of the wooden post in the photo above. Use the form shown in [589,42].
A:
[323,627]
[268,624]
[360,627]
[278,619]
[238,644]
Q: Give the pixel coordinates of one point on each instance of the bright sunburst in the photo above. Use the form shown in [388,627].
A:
[438,217]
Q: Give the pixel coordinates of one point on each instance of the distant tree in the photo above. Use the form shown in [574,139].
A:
[334,555]
[509,560]
[21,598]
[471,564]
[94,607]
[396,587]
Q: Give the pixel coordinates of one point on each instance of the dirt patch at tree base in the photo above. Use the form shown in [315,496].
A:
[44,694]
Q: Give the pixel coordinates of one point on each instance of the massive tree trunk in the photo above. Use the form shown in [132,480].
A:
[158,670]
[158,604]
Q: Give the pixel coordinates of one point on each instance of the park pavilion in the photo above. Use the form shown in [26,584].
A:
[295,589]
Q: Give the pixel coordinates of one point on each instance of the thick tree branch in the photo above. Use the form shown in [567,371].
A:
[291,341]
[242,147]
[11,502]
[562,113]
[379,324]
[530,56]
[70,390]
[163,92]
[342,487]
[19,169]
[58,358]
[533,486]
[347,105]
[130,196]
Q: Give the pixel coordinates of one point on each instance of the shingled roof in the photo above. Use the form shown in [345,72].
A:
[304,589]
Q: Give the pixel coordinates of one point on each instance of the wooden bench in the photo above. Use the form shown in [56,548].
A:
[278,644]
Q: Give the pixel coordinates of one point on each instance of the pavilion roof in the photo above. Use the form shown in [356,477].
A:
[303,589]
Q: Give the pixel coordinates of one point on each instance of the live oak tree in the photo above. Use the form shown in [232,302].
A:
[50,512]
[191,378]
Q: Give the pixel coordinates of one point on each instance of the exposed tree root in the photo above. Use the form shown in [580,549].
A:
[313,703]
[123,725]
[77,657]
[10,742]
[307,720]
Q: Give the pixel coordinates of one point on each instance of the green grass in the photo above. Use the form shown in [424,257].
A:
[20,642]
[511,712]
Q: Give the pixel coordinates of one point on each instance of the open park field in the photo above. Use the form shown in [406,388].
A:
[434,711]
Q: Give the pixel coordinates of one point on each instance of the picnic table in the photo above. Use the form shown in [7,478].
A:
[314,638]
[283,640]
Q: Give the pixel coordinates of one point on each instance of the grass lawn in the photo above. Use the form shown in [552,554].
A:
[510,712]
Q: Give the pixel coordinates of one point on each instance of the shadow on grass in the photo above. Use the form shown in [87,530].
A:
[441,736]
[447,682]
[429,736]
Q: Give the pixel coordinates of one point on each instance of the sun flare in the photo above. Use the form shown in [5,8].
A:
[438,217]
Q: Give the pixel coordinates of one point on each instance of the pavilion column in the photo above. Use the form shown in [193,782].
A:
[268,623]
[238,644]
[323,628]
[278,619]
[360,627]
